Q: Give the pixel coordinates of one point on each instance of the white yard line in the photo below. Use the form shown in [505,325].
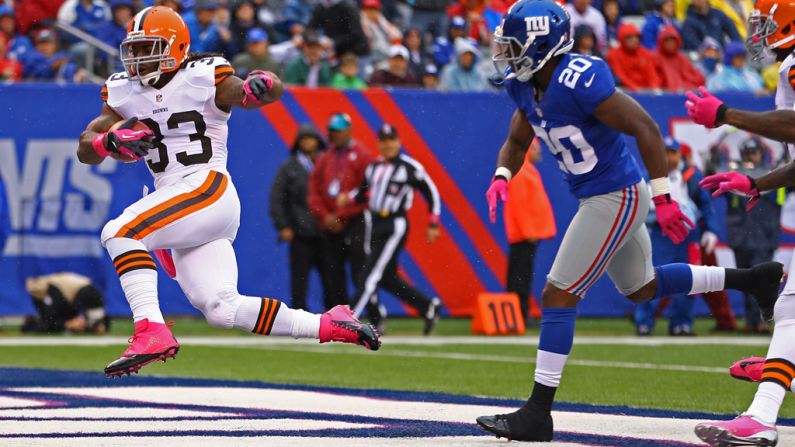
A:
[499,358]
[244,341]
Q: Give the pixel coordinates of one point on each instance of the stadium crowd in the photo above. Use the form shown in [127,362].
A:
[651,45]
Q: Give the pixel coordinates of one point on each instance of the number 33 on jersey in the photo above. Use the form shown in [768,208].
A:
[190,130]
[594,158]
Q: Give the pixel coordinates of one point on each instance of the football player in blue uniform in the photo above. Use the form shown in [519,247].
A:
[570,102]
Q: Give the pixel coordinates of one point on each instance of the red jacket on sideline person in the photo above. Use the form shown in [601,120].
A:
[676,72]
[633,64]
[337,170]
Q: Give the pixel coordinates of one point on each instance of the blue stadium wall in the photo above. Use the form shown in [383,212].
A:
[54,207]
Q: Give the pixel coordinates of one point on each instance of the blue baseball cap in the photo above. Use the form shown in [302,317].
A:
[339,121]
[6,11]
[671,144]
[458,22]
[256,35]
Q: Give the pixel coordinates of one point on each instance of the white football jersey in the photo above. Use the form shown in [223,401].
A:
[785,91]
[190,130]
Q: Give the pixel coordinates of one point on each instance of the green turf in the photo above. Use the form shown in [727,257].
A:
[505,372]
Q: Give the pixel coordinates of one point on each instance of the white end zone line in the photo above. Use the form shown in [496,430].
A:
[246,341]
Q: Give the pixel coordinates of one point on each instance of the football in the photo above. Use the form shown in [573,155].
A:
[137,126]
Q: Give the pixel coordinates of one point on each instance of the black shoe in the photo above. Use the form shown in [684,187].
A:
[432,316]
[766,284]
[529,423]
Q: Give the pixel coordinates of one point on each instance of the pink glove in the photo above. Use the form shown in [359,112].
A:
[167,262]
[673,222]
[735,183]
[256,87]
[125,140]
[706,109]
[498,190]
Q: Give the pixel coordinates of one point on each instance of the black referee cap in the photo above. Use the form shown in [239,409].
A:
[387,131]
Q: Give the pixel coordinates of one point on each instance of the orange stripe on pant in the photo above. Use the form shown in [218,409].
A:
[176,208]
[267,315]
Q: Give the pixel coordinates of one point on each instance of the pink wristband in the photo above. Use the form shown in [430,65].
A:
[98,143]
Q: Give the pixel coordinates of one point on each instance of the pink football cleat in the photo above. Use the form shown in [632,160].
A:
[742,430]
[339,324]
[749,369]
[150,342]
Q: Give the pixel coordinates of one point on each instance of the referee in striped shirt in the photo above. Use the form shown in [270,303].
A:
[388,188]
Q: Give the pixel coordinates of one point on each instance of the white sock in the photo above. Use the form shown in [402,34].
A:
[138,276]
[549,368]
[269,316]
[779,369]
[707,279]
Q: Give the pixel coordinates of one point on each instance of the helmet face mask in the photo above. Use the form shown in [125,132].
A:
[157,42]
[771,27]
[760,27]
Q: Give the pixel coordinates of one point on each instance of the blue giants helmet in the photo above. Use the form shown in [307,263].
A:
[531,33]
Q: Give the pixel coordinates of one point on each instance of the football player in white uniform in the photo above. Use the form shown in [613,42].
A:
[772,25]
[174,108]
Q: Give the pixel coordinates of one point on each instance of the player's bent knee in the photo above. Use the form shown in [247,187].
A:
[645,293]
[109,231]
[555,297]
[219,307]
[785,307]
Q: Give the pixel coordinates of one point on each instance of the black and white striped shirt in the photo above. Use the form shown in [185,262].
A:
[389,185]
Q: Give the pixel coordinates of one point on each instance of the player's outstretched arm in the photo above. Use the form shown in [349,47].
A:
[259,88]
[85,150]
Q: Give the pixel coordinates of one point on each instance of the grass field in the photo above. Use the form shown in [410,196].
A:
[681,377]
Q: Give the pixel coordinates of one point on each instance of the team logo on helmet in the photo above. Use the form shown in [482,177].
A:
[537,26]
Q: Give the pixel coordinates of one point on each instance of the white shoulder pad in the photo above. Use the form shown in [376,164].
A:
[117,89]
[208,71]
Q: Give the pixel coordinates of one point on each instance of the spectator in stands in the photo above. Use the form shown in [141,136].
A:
[733,75]
[85,15]
[115,31]
[528,220]
[430,16]
[33,13]
[612,15]
[665,15]
[292,219]
[443,47]
[463,75]
[175,5]
[585,41]
[19,46]
[396,73]
[297,14]
[339,20]
[244,19]
[380,33]
[347,75]
[709,56]
[338,170]
[207,33]
[702,21]
[753,234]
[582,12]
[10,70]
[482,18]
[269,15]
[412,40]
[310,68]
[631,63]
[46,62]
[430,77]
[257,55]
[676,72]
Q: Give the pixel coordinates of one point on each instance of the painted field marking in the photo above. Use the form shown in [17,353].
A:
[243,341]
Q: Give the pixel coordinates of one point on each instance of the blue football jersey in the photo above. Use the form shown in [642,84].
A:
[594,158]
